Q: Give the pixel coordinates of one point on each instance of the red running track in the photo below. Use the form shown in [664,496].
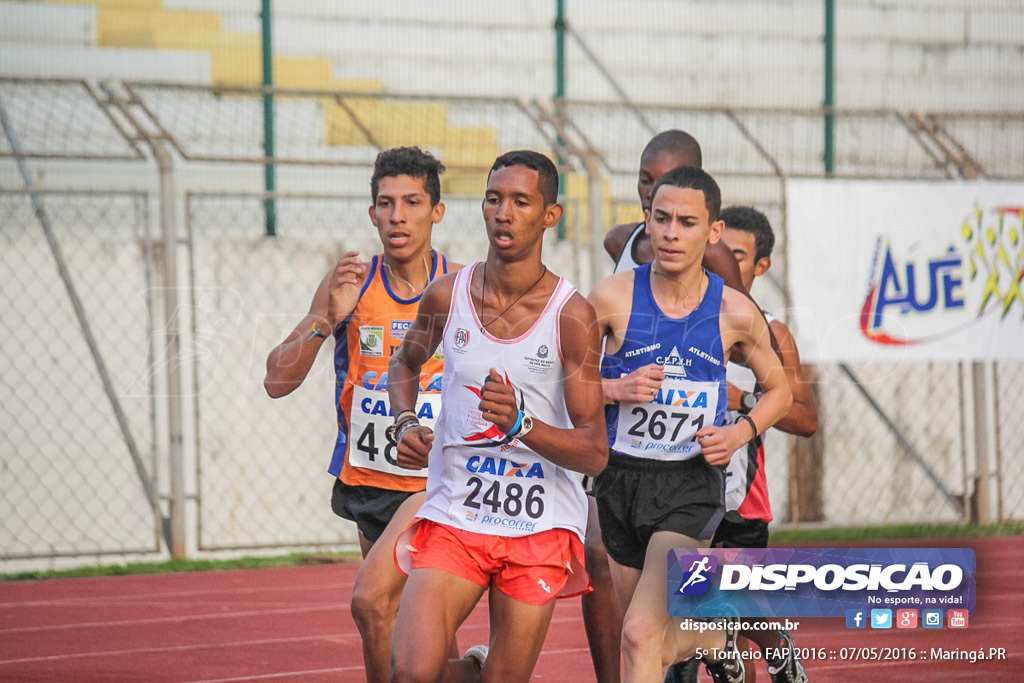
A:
[293,624]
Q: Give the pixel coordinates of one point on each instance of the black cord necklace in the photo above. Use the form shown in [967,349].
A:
[483,298]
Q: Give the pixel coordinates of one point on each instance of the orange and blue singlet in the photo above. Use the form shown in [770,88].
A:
[363,455]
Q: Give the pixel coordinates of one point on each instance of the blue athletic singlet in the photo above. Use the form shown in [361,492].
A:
[694,391]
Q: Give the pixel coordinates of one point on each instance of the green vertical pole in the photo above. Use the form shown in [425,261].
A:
[560,95]
[830,77]
[269,170]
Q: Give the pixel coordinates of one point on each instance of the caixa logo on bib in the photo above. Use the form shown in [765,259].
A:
[784,582]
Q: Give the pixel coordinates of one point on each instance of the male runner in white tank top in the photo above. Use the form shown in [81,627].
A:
[521,410]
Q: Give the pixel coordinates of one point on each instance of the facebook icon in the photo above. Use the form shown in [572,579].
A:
[855,618]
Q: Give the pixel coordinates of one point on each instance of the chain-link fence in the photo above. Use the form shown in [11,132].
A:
[80,429]
[1008,465]
[88,427]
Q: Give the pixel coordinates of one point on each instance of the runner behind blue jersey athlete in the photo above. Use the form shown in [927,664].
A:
[748,511]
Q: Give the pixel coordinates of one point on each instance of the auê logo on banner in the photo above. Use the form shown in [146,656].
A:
[817,582]
[927,291]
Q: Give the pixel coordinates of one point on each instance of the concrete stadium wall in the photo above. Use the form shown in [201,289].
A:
[923,54]
[246,291]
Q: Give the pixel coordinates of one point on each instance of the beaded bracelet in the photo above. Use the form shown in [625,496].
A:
[403,428]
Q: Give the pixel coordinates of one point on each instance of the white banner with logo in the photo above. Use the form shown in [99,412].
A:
[886,270]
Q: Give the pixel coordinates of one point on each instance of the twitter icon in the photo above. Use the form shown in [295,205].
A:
[881,618]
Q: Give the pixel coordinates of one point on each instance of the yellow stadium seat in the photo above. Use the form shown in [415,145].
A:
[236,60]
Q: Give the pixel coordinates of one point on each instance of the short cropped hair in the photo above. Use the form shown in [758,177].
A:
[693,178]
[678,143]
[749,219]
[547,174]
[410,161]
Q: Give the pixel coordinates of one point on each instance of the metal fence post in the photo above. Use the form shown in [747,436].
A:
[981,385]
[269,169]
[830,80]
[595,200]
[173,351]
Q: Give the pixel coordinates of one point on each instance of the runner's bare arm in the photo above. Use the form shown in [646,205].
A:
[581,353]
[744,329]
[335,298]
[421,339]
[720,260]
[616,238]
[584,447]
[612,300]
[802,418]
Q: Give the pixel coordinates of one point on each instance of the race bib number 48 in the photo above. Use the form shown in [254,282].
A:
[369,446]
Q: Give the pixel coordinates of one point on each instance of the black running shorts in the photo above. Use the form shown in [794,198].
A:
[746,533]
[371,508]
[636,497]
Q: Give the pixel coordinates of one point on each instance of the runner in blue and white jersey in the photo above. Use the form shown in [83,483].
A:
[663,487]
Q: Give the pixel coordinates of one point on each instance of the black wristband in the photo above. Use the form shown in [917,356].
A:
[751,422]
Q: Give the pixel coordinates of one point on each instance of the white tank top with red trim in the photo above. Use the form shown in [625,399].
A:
[478,478]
